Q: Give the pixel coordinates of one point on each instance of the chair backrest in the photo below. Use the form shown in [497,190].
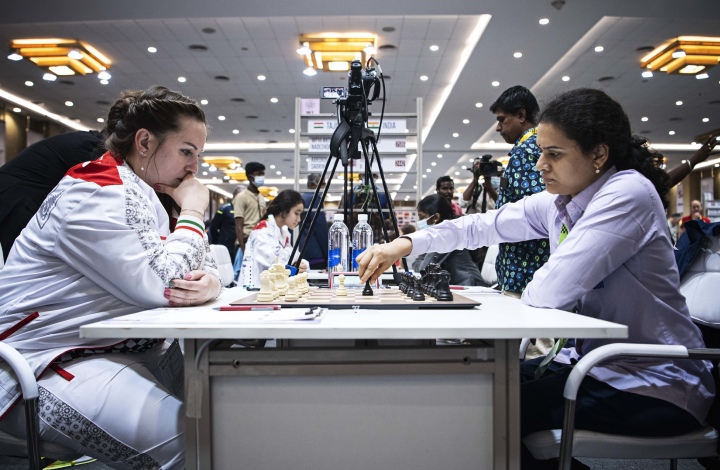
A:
[699,283]
[487,272]
[225,266]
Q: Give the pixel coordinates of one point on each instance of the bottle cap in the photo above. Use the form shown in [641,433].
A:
[362,218]
[338,217]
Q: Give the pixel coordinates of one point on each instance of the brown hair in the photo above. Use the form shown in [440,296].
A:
[157,109]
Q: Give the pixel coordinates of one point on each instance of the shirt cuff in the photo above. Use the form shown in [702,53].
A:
[188,223]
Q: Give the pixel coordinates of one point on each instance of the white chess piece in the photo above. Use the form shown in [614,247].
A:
[292,294]
[341,290]
[266,293]
[305,287]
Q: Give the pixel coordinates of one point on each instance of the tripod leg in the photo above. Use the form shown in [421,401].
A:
[315,215]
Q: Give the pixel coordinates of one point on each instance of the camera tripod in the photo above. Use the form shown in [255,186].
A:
[344,149]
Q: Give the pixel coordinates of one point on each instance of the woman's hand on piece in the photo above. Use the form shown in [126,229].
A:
[190,194]
[377,258]
[197,287]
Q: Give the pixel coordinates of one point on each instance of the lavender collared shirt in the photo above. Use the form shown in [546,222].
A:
[616,264]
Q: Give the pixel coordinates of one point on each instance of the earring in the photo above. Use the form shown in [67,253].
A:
[597,169]
[142,168]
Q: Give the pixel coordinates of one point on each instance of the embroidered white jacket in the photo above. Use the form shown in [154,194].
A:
[99,247]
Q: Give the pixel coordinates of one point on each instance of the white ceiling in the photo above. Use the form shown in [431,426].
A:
[253,38]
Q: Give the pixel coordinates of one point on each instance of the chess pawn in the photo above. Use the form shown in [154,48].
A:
[281,282]
[292,294]
[443,287]
[266,293]
[418,295]
[341,290]
[305,285]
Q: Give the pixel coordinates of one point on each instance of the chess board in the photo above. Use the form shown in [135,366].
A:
[386,299]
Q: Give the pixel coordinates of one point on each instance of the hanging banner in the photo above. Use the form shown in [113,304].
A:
[392,164]
[387,144]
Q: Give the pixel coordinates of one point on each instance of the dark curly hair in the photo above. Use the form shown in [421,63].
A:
[283,203]
[590,117]
[157,109]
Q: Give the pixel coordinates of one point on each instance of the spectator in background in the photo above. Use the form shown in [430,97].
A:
[679,173]
[316,244]
[516,111]
[696,213]
[445,187]
[222,226]
[478,197]
[673,223]
[249,204]
[433,210]
[27,179]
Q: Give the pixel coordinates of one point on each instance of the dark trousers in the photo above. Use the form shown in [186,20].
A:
[599,407]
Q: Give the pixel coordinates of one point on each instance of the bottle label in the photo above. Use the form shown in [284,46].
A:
[356,253]
[333,257]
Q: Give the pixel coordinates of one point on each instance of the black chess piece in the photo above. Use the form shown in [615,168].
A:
[367,291]
[410,288]
[443,287]
[418,295]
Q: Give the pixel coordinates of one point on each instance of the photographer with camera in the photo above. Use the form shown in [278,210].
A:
[479,197]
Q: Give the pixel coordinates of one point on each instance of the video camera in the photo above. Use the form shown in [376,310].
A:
[488,167]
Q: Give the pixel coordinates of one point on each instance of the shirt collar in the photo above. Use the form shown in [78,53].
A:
[526,135]
[579,203]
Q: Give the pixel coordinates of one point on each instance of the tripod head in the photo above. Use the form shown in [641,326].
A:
[363,88]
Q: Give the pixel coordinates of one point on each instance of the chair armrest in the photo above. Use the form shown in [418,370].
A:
[590,360]
[524,344]
[25,375]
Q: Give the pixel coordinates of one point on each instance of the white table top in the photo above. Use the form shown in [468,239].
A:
[499,317]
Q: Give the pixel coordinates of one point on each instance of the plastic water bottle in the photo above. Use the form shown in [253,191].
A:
[338,243]
[362,238]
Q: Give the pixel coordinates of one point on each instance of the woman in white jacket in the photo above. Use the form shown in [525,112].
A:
[99,247]
[270,239]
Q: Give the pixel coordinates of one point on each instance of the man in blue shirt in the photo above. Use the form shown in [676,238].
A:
[516,111]
[222,227]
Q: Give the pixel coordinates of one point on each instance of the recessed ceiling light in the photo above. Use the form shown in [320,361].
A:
[671,132]
[17,110]
[278,172]
[423,77]
[15,57]
[644,119]
[49,77]
[478,105]
[544,21]
[457,173]
[292,131]
[647,74]
[517,55]
[104,75]
[566,78]
[678,103]
[439,155]
[702,76]
[29,83]
[273,100]
[236,131]
[205,164]
[495,83]
[433,163]
[429,170]
[221,118]
[100,120]
[182,79]
[205,173]
[447,146]
[706,119]
[492,142]
[599,48]
[310,71]
[466,121]
[434,47]
[424,176]
[261,77]
[104,82]
[464,167]
[455,134]
[272,167]
[69,103]
[152,50]
[203,102]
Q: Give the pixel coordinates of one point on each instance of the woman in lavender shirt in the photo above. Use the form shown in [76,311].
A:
[612,259]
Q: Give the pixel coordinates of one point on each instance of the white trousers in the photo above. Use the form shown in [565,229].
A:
[114,409]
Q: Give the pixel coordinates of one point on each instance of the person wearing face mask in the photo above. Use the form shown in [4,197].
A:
[612,259]
[270,239]
[249,204]
[100,247]
[463,271]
